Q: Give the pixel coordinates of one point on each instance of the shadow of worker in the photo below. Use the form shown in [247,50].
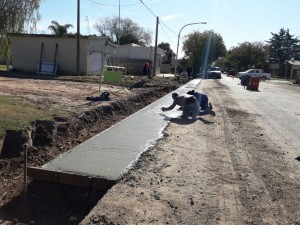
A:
[187,121]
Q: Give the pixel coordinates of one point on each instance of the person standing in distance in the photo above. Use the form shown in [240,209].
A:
[189,71]
[146,69]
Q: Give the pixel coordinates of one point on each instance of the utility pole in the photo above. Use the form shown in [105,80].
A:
[78,39]
[155,50]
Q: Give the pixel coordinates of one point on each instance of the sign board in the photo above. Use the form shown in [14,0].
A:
[46,68]
[114,76]
[114,73]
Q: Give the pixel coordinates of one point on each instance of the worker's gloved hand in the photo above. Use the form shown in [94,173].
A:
[163,109]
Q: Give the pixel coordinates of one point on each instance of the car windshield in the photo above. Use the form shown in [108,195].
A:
[214,68]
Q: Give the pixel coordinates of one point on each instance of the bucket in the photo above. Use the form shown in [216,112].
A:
[253,84]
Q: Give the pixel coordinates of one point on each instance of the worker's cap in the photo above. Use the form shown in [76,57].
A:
[174,95]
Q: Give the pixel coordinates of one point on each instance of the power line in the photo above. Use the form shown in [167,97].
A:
[141,2]
[157,16]
[148,8]
[168,28]
[98,3]
[167,35]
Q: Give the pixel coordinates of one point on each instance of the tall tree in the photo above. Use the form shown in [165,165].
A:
[168,52]
[124,31]
[203,48]
[14,16]
[59,29]
[246,55]
[283,46]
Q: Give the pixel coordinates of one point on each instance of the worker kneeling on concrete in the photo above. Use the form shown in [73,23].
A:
[189,103]
[205,105]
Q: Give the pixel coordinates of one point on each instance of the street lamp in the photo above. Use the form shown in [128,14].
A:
[178,42]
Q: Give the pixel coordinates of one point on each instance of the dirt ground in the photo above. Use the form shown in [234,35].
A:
[84,120]
[218,170]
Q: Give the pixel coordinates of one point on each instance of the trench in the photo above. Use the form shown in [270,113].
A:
[51,203]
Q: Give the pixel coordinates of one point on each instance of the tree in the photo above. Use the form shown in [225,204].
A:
[203,48]
[168,52]
[14,16]
[125,32]
[283,46]
[58,29]
[245,55]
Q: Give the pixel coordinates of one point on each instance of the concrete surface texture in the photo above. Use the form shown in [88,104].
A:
[111,153]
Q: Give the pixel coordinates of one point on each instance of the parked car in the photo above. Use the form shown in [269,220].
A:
[214,73]
[255,72]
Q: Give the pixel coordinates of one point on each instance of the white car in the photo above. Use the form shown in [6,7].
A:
[214,73]
[255,72]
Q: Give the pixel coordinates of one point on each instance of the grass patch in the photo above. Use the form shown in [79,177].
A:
[2,67]
[16,114]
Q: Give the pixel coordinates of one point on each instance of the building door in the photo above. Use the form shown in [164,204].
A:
[95,63]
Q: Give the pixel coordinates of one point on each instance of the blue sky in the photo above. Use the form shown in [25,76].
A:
[236,21]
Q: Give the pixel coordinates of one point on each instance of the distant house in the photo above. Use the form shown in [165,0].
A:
[294,68]
[289,70]
[133,57]
[39,53]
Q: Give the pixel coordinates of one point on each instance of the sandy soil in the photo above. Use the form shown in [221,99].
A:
[218,170]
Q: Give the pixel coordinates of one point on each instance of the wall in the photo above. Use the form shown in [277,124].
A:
[135,66]
[165,68]
[26,51]
[98,48]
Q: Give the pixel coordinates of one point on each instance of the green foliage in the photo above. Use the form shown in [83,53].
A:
[203,48]
[168,52]
[58,29]
[4,49]
[4,67]
[283,46]
[124,31]
[14,16]
[245,55]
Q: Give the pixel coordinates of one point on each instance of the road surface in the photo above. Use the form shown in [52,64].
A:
[238,167]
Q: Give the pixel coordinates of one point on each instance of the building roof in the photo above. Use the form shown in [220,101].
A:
[72,36]
[46,35]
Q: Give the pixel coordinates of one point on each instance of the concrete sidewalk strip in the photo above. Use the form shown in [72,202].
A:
[109,154]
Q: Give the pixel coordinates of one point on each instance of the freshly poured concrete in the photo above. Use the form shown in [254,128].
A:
[109,154]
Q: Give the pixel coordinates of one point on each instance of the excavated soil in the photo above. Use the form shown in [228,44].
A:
[44,140]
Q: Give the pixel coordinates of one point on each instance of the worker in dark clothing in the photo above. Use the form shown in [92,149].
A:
[189,103]
[205,105]
[189,71]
